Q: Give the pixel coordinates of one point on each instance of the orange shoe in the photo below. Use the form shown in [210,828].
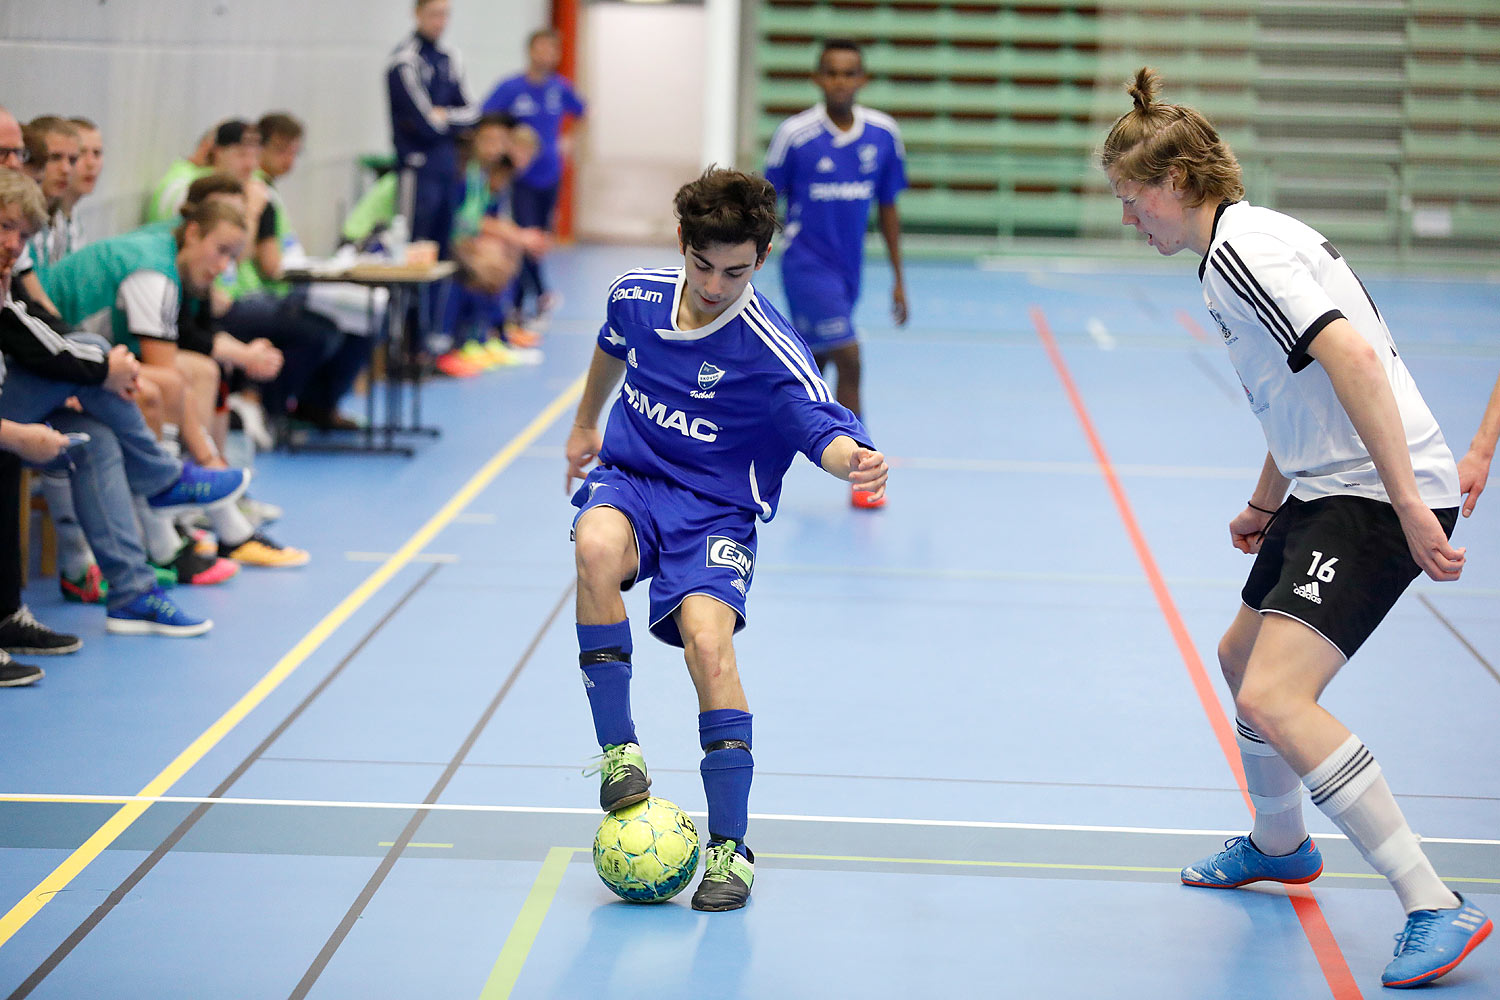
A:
[519,336]
[865,500]
[455,365]
[258,550]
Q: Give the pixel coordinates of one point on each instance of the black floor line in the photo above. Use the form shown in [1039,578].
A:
[389,861]
[1486,664]
[144,868]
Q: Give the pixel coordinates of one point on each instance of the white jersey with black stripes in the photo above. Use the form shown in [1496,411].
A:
[1272,284]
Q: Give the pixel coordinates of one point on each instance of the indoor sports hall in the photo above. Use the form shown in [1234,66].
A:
[991,724]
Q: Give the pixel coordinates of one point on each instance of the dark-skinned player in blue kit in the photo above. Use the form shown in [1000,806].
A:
[830,163]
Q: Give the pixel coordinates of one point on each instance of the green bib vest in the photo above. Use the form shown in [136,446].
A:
[87,282]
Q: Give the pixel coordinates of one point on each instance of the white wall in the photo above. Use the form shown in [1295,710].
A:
[155,73]
[641,68]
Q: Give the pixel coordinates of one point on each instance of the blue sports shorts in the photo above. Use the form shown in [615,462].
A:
[687,545]
[821,303]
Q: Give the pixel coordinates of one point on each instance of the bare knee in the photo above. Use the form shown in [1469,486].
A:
[603,556]
[707,650]
[1267,707]
[1236,646]
[148,398]
[1233,655]
[847,361]
[169,383]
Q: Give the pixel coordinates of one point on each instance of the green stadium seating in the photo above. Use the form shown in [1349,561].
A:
[1003,104]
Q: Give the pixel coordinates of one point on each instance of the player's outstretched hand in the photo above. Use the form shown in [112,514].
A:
[1248,530]
[1430,547]
[868,472]
[582,448]
[1473,471]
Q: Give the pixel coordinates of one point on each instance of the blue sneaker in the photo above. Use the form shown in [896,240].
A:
[1240,864]
[154,613]
[200,487]
[1433,943]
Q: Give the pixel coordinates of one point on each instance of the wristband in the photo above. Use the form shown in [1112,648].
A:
[1261,509]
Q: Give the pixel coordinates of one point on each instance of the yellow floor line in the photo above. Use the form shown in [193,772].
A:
[117,824]
[528,923]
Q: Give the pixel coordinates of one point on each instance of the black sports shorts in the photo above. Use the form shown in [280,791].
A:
[1337,564]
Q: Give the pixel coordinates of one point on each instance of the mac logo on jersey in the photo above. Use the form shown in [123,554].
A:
[825,166]
[696,428]
[841,191]
[635,292]
[708,376]
[730,554]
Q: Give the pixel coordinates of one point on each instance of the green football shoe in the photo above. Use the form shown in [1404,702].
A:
[727,876]
[622,776]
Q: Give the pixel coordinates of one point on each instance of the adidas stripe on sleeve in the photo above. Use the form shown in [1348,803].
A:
[1262,278]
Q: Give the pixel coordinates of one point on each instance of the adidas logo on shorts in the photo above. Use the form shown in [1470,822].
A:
[1309,590]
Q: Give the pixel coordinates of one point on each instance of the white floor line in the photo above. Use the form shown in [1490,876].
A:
[572,811]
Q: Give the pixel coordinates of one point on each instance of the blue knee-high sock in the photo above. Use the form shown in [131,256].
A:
[724,734]
[604,655]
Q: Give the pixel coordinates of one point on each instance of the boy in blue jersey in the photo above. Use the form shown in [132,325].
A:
[719,396]
[829,163]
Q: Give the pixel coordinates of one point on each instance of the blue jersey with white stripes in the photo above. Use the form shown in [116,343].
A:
[829,177]
[720,410]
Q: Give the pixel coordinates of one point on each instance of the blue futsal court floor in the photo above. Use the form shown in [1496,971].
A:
[989,722]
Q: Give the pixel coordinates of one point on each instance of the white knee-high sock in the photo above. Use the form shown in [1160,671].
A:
[1352,792]
[1276,791]
[160,534]
[232,527]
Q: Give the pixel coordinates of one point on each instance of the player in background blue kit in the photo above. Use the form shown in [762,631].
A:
[719,395]
[829,163]
[540,97]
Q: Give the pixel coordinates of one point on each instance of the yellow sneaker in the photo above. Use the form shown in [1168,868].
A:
[475,353]
[258,550]
[502,355]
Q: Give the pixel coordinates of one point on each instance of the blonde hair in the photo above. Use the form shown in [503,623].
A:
[18,189]
[206,215]
[1147,141]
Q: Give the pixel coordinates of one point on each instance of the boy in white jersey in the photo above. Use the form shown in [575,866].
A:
[829,163]
[1375,501]
[719,395]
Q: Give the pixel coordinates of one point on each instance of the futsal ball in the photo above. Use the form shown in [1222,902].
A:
[648,852]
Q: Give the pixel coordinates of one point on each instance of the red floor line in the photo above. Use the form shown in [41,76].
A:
[1325,948]
[1192,326]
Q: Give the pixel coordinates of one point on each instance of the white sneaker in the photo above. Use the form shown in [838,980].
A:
[253,419]
[259,512]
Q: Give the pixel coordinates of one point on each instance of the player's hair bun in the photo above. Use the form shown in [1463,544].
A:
[1144,88]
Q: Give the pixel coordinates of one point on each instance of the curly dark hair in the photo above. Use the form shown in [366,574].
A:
[727,206]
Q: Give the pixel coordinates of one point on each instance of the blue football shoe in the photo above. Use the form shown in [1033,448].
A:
[1433,943]
[154,613]
[200,487]
[1240,864]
